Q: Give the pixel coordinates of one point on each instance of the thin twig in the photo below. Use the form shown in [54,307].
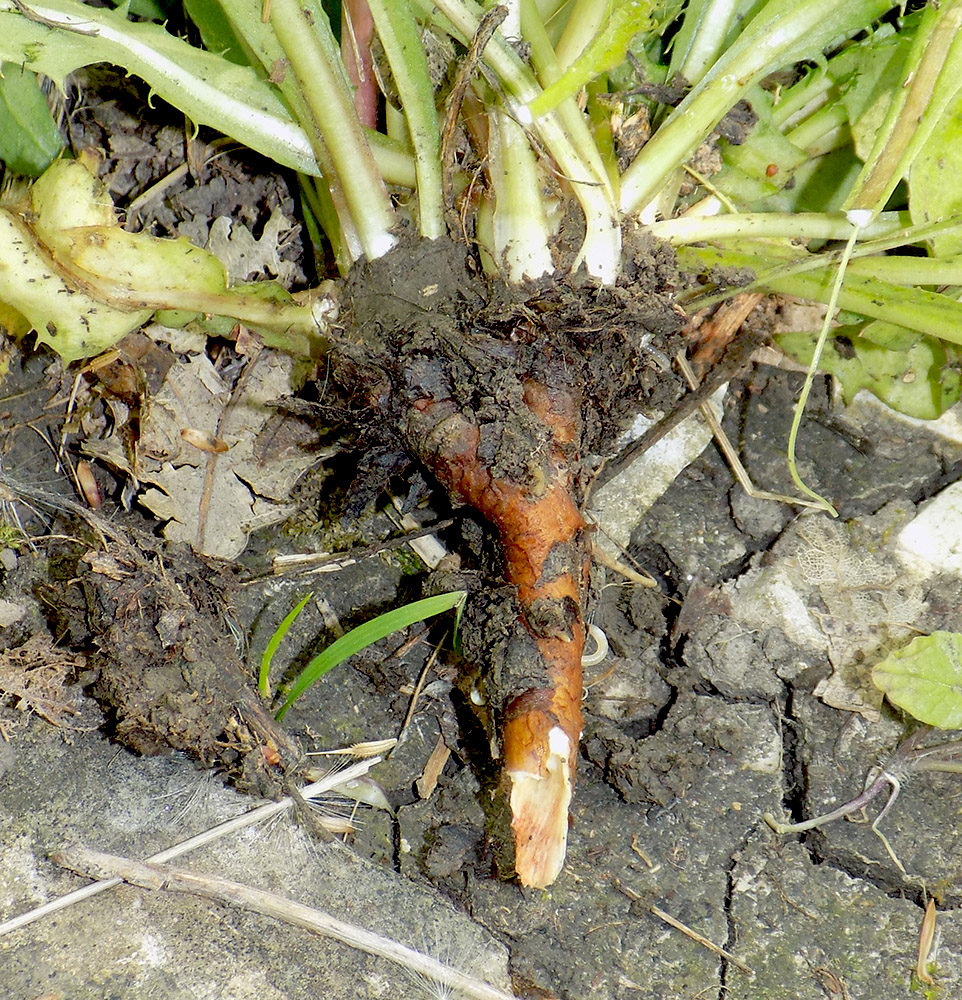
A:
[258,815]
[684,928]
[108,866]
[328,562]
[418,687]
[703,941]
[487,26]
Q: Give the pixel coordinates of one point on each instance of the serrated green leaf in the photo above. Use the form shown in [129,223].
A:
[209,88]
[904,369]
[29,137]
[925,679]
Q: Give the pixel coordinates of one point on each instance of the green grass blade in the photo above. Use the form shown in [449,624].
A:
[263,684]
[365,635]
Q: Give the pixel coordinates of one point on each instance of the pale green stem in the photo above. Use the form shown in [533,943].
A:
[394,162]
[803,226]
[802,99]
[552,14]
[905,269]
[520,230]
[584,21]
[914,308]
[703,35]
[782,33]
[776,262]
[303,31]
[810,375]
[291,327]
[400,36]
[811,134]
[566,137]
[931,77]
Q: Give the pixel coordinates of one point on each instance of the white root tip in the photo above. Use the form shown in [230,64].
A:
[539,809]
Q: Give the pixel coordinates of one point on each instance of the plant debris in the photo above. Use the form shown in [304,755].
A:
[34,677]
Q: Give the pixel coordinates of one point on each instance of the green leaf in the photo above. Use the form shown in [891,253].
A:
[73,321]
[606,49]
[216,30]
[29,137]
[934,192]
[925,679]
[209,88]
[263,683]
[83,282]
[905,369]
[931,77]
[365,635]
[747,176]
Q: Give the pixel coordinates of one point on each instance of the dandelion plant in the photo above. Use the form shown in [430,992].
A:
[538,135]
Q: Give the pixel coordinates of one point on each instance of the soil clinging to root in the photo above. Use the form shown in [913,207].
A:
[508,396]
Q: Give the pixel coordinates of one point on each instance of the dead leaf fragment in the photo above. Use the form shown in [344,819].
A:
[34,677]
[208,452]
[432,769]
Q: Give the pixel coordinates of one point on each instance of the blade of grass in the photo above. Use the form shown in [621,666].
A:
[263,683]
[365,635]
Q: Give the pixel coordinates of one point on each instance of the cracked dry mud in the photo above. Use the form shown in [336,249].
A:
[693,731]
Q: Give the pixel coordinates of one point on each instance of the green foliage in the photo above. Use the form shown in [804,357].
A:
[279,87]
[907,370]
[365,635]
[216,30]
[107,282]
[29,137]
[149,10]
[606,48]
[925,679]
[263,677]
[934,189]
[208,87]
